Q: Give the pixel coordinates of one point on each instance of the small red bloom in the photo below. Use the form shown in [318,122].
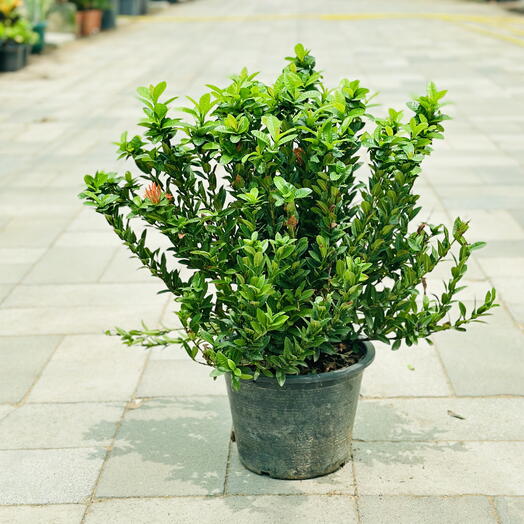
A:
[154,193]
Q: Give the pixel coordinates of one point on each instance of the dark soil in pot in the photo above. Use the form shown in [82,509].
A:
[302,429]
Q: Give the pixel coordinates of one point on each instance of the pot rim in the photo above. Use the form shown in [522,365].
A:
[328,376]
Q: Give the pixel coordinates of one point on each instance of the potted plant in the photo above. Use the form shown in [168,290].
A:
[296,261]
[109,11]
[16,37]
[89,16]
[36,12]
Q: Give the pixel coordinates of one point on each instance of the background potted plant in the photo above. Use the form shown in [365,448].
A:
[16,37]
[109,11]
[297,260]
[89,16]
[36,12]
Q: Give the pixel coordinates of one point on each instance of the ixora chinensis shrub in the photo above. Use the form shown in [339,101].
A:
[297,262]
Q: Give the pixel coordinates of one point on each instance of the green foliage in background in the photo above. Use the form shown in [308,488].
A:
[292,257]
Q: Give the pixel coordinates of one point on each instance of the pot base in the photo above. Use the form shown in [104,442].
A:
[277,476]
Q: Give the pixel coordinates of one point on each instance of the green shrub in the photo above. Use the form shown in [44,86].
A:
[294,259]
[16,30]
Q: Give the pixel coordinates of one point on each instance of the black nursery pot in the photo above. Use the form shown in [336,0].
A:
[108,19]
[12,57]
[302,429]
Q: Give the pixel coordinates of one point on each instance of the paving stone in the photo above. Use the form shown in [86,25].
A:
[22,360]
[409,371]
[170,447]
[5,289]
[486,224]
[427,510]
[92,239]
[20,255]
[510,510]
[60,425]
[241,481]
[13,273]
[510,289]
[93,295]
[482,361]
[50,476]
[502,248]
[90,368]
[83,264]
[123,268]
[31,232]
[51,514]
[179,378]
[438,468]
[5,410]
[425,419]
[256,510]
[73,320]
[502,267]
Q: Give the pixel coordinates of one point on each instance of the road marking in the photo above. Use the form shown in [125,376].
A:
[468,22]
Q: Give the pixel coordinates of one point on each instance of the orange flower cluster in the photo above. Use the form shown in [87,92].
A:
[154,193]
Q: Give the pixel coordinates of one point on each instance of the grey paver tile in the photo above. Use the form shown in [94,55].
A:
[73,320]
[31,232]
[241,481]
[429,510]
[502,267]
[5,410]
[26,256]
[48,476]
[173,446]
[172,378]
[5,289]
[517,311]
[60,425]
[432,419]
[92,239]
[89,368]
[50,514]
[77,295]
[487,224]
[22,360]
[502,248]
[482,361]
[257,510]
[510,510]
[411,371]
[511,289]
[436,468]
[63,265]
[123,268]
[13,273]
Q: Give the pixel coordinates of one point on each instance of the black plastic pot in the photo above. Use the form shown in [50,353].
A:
[12,57]
[302,429]
[108,19]
[39,45]
[130,7]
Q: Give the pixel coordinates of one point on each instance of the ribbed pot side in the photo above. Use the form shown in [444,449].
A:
[302,429]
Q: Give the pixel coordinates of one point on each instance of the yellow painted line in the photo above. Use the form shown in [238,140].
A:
[467,22]
[494,34]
